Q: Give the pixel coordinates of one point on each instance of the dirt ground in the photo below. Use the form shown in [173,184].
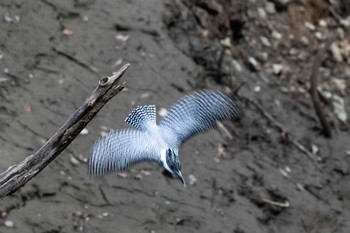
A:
[271,171]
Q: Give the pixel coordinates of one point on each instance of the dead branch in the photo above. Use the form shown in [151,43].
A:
[283,129]
[18,175]
[313,88]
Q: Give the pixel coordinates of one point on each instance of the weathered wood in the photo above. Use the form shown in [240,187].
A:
[313,88]
[18,175]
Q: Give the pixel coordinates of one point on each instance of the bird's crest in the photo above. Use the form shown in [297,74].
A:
[142,116]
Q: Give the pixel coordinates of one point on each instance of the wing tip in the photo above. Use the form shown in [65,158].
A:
[228,101]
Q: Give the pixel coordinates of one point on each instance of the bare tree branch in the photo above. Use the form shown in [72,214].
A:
[313,88]
[283,130]
[18,175]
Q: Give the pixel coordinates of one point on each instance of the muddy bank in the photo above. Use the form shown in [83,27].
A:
[53,53]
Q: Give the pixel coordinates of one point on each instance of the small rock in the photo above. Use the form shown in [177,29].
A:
[221,152]
[253,62]
[9,223]
[117,63]
[339,108]
[277,69]
[340,84]
[104,128]
[236,65]
[314,149]
[264,56]
[319,35]
[310,26]
[287,169]
[17,18]
[300,186]
[293,51]
[265,41]
[146,173]
[276,35]
[3,213]
[162,112]
[283,172]
[74,161]
[145,95]
[262,13]
[322,23]
[84,131]
[3,79]
[83,158]
[305,40]
[192,179]
[205,33]
[226,42]
[336,52]
[326,94]
[138,177]
[270,8]
[257,88]
[27,108]
[103,133]
[303,56]
[7,18]
[67,32]
[345,22]
[123,174]
[122,38]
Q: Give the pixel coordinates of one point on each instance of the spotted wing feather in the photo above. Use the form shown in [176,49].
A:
[142,117]
[197,113]
[119,150]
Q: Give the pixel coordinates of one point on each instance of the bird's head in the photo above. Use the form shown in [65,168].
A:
[171,163]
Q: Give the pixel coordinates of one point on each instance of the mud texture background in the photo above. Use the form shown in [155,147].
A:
[52,54]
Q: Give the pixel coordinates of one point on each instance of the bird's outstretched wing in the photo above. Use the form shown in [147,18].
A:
[197,113]
[121,149]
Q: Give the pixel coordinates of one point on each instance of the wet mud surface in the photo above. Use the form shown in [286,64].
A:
[249,175]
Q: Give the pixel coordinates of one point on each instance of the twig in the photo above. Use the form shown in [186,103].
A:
[267,115]
[77,61]
[220,60]
[313,88]
[18,175]
[284,204]
[279,126]
[224,130]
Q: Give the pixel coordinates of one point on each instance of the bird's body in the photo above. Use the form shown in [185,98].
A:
[160,143]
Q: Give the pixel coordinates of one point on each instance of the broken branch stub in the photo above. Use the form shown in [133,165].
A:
[18,175]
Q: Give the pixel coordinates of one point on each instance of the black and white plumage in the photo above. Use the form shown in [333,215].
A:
[160,143]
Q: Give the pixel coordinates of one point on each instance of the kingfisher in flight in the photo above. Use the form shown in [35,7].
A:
[149,141]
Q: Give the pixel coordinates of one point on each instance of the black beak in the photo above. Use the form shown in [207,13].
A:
[179,175]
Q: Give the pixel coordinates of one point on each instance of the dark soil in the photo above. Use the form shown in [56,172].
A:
[250,175]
